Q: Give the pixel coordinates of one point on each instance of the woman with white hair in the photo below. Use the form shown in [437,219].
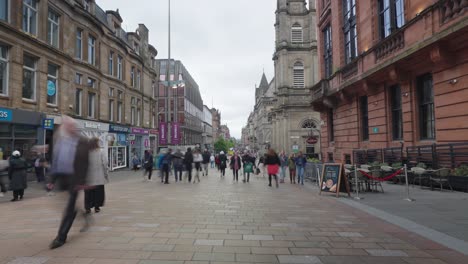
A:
[17,175]
[222,163]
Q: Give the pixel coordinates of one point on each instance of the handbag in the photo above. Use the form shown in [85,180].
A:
[273,169]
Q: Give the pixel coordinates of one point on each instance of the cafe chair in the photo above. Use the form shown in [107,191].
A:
[440,177]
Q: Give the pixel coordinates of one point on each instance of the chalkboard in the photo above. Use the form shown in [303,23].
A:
[332,179]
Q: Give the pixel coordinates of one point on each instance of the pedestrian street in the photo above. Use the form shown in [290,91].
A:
[214,221]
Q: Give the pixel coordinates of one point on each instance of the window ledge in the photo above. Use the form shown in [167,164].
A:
[52,105]
[4,96]
[29,101]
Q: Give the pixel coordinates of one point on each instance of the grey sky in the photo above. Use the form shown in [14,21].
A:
[224,44]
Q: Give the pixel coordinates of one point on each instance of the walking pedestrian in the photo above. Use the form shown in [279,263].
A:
[261,164]
[98,175]
[212,161]
[218,162]
[235,164]
[300,165]
[284,165]
[39,168]
[292,168]
[222,163]
[178,163]
[206,160]
[273,163]
[197,159]
[248,161]
[17,175]
[148,165]
[70,169]
[166,165]
[188,160]
[4,164]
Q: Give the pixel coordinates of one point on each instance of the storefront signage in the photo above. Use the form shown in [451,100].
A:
[375,130]
[92,125]
[153,131]
[147,143]
[312,140]
[140,131]
[119,129]
[295,148]
[131,137]
[48,124]
[51,89]
[162,133]
[6,115]
[175,133]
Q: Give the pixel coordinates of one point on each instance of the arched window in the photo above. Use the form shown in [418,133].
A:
[296,33]
[298,75]
[308,124]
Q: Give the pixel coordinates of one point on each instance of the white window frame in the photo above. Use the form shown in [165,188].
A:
[91,50]
[111,92]
[132,115]
[50,25]
[80,102]
[91,83]
[132,76]
[153,86]
[78,78]
[7,72]
[111,110]
[29,10]
[138,80]
[297,29]
[138,117]
[34,72]
[79,41]
[119,67]
[55,78]
[119,112]
[111,63]
[92,110]
[298,81]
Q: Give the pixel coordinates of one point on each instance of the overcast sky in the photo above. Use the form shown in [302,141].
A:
[225,45]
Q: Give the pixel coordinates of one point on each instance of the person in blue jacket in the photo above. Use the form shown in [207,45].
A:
[300,165]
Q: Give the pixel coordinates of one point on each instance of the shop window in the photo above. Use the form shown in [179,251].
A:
[91,50]
[29,77]
[30,16]
[52,84]
[364,118]
[79,44]
[425,91]
[3,70]
[91,105]
[4,8]
[349,30]
[391,16]
[53,28]
[78,102]
[397,113]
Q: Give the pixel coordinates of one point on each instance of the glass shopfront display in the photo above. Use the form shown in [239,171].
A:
[117,157]
[117,147]
[17,137]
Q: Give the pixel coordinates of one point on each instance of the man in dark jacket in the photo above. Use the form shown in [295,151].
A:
[148,163]
[70,169]
[166,165]
[188,160]
[178,163]
[17,175]
[206,160]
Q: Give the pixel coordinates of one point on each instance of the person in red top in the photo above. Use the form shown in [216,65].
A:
[235,166]
[217,161]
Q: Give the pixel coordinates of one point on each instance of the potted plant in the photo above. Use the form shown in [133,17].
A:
[459,178]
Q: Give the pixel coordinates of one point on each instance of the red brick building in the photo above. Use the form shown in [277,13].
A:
[394,73]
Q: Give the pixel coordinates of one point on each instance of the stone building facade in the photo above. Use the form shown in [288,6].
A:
[71,57]
[393,74]
[216,123]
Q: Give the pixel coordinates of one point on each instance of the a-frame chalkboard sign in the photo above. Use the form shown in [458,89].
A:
[333,179]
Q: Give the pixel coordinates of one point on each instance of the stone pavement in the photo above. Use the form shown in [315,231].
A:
[216,221]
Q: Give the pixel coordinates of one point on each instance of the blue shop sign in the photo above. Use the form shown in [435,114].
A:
[6,115]
[51,88]
[119,129]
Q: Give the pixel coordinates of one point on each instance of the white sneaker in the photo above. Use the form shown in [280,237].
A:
[2,195]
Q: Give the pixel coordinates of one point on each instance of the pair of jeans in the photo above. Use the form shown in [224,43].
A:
[283,172]
[189,172]
[248,176]
[205,169]
[212,164]
[165,170]
[178,171]
[300,174]
[149,171]
[235,175]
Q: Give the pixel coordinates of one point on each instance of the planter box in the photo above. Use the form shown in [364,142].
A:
[459,183]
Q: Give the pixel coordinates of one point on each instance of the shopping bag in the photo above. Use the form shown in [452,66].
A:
[248,168]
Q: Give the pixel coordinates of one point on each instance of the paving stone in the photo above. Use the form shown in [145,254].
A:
[207,242]
[299,259]
[270,250]
[214,256]
[350,234]
[309,251]
[257,237]
[158,247]
[172,255]
[243,250]
[386,253]
[256,258]
[29,260]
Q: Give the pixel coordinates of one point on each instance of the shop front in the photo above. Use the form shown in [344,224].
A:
[19,130]
[139,140]
[117,146]
[92,129]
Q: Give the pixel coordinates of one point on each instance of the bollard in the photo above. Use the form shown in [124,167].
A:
[356,181]
[408,198]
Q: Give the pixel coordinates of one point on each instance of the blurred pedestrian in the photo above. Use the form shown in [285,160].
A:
[197,159]
[17,175]
[217,162]
[206,160]
[4,164]
[69,168]
[212,161]
[178,163]
[300,165]
[188,160]
[292,168]
[222,163]
[98,175]
[248,161]
[235,164]
[284,165]
[40,167]
[135,162]
[166,165]
[148,165]
[273,163]
[261,165]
